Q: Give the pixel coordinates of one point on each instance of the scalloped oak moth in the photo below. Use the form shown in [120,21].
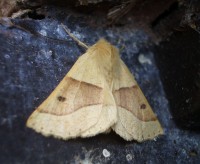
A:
[98,94]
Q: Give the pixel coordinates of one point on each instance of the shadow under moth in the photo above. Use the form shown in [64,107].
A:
[97,95]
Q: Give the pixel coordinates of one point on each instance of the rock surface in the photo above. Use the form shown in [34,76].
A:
[34,58]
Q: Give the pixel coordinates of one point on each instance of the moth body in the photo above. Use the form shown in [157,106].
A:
[98,94]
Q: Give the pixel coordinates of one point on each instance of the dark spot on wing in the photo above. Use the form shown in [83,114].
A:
[143,106]
[61,99]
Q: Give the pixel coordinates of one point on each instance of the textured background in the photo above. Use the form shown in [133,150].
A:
[37,54]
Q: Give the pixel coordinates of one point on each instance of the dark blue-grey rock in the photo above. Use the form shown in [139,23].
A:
[34,58]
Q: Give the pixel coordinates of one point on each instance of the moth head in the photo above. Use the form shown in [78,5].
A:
[105,49]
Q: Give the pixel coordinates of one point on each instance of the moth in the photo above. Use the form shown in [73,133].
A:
[97,95]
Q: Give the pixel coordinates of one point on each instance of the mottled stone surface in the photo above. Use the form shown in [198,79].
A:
[31,66]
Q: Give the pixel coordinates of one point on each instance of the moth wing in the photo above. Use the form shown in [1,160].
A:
[77,107]
[135,119]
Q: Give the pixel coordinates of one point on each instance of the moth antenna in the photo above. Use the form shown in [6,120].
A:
[73,37]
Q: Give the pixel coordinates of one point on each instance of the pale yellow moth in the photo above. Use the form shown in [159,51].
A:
[98,94]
